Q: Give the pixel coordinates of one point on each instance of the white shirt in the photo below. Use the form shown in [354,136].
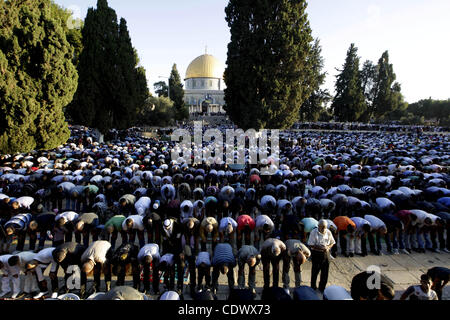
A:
[224,223]
[433,218]
[331,225]
[430,295]
[25,202]
[45,258]
[203,257]
[66,186]
[375,222]
[170,295]
[151,249]
[336,293]
[7,269]
[384,203]
[142,204]
[25,257]
[190,213]
[261,220]
[316,238]
[168,257]
[96,252]
[421,216]
[138,223]
[69,215]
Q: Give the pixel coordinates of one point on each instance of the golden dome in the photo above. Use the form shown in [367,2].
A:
[205,66]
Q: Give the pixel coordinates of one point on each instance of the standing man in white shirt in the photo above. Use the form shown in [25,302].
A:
[320,241]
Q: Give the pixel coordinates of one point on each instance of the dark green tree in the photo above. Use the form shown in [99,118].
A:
[437,111]
[142,91]
[157,111]
[177,94]
[161,89]
[269,66]
[349,102]
[315,104]
[387,93]
[112,86]
[37,76]
[368,75]
[75,38]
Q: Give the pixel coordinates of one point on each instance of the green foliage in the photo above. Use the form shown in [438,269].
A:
[387,95]
[157,111]
[177,94]
[437,110]
[75,38]
[315,104]
[37,75]
[349,103]
[270,65]
[161,89]
[326,115]
[113,88]
[411,119]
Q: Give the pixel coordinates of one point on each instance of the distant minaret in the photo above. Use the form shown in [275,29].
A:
[206,49]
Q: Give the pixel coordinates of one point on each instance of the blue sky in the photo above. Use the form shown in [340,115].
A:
[415,32]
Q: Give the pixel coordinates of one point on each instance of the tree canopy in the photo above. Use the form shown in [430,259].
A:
[349,102]
[38,77]
[315,105]
[270,62]
[177,94]
[113,86]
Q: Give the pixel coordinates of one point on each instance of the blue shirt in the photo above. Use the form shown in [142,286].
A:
[223,253]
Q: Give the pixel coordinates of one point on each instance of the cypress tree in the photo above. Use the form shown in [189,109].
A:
[112,86]
[177,94]
[349,102]
[125,106]
[269,67]
[37,76]
[387,94]
[314,105]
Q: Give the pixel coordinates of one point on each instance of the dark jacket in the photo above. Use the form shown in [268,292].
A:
[73,250]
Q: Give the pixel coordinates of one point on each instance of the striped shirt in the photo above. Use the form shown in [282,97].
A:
[223,253]
[20,221]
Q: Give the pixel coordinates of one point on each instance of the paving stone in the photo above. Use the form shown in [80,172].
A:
[400,277]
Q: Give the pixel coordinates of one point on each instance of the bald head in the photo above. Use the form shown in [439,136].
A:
[323,223]
[276,250]
[251,261]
